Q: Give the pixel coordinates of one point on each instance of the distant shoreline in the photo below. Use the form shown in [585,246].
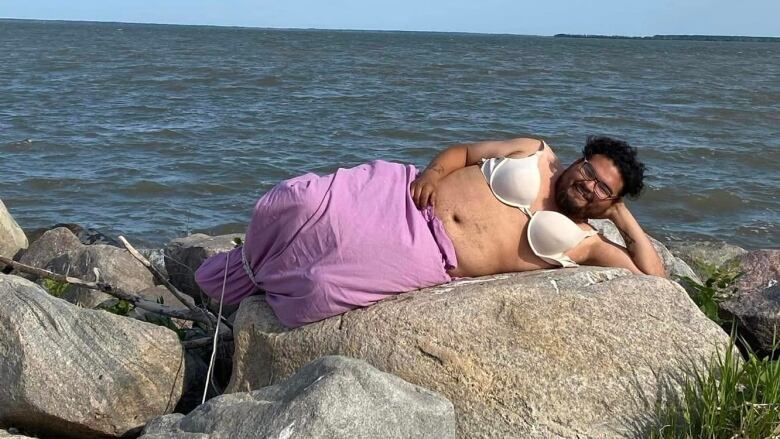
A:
[563,35]
[678,37]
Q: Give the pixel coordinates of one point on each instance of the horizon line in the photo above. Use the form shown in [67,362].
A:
[365,30]
[238,26]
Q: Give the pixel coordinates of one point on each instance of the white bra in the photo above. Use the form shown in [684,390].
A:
[516,182]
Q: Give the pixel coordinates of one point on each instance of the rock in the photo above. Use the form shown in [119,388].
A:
[164,427]
[116,266]
[756,307]
[12,433]
[761,270]
[51,244]
[581,351]
[758,315]
[184,255]
[12,237]
[703,256]
[87,236]
[72,372]
[157,258]
[61,251]
[675,267]
[332,397]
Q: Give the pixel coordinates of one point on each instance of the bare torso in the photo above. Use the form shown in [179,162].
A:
[490,236]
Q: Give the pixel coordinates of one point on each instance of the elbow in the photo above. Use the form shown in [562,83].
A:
[656,271]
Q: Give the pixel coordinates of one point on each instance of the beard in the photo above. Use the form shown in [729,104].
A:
[566,202]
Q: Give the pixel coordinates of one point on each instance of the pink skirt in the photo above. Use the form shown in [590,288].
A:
[322,245]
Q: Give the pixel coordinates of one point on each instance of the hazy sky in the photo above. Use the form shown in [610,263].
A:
[538,17]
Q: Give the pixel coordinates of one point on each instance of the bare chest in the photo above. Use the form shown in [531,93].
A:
[489,236]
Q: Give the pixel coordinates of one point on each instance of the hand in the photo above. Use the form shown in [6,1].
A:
[423,189]
[614,211]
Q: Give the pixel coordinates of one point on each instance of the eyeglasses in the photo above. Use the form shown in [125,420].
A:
[601,190]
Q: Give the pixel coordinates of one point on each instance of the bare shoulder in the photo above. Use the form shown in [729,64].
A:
[514,147]
[547,146]
[549,157]
[525,146]
[548,150]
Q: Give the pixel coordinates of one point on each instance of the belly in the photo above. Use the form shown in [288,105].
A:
[488,236]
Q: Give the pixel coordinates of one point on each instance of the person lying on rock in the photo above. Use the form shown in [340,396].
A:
[319,246]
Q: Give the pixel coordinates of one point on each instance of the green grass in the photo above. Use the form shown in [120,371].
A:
[733,397]
[55,288]
[121,307]
[719,287]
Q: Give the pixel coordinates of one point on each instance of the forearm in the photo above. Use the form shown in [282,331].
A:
[638,244]
[448,160]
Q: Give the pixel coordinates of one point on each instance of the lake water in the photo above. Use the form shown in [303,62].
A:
[153,131]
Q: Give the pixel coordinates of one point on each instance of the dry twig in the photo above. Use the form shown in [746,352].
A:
[163,280]
[178,313]
[204,341]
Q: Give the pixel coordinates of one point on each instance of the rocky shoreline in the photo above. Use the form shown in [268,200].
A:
[585,352]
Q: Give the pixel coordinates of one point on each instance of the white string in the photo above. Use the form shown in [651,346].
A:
[216,332]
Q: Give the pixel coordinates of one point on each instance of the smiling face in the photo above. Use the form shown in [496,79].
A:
[574,193]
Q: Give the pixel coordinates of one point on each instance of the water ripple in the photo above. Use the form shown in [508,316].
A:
[154,131]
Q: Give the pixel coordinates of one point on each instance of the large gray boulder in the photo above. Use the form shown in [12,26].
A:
[758,318]
[86,235]
[184,255]
[116,266]
[675,267]
[756,306]
[553,353]
[703,256]
[72,372]
[760,268]
[48,246]
[332,397]
[12,237]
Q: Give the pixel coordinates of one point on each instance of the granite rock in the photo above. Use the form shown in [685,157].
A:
[331,397]
[184,255]
[552,353]
[12,237]
[74,372]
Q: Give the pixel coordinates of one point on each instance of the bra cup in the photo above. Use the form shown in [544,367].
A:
[515,182]
[551,234]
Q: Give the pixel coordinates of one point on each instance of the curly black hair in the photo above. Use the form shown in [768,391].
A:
[624,157]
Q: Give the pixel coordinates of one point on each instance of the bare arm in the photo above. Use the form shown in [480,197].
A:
[467,154]
[637,243]
[460,156]
[639,255]
[605,253]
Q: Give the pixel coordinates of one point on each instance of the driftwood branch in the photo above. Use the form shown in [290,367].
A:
[204,341]
[140,302]
[163,280]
